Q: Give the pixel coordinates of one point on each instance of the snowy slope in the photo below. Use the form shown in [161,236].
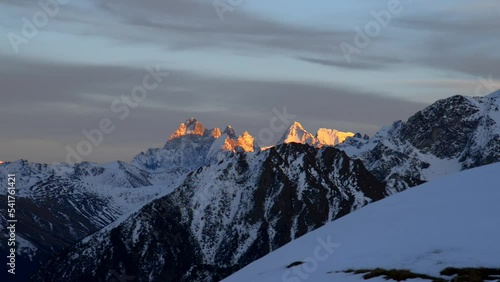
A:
[449,222]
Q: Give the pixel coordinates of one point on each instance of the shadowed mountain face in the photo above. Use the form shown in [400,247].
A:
[449,136]
[416,235]
[223,217]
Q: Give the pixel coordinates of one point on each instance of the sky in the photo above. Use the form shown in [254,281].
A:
[69,67]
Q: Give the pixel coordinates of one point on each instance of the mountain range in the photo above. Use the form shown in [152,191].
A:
[210,202]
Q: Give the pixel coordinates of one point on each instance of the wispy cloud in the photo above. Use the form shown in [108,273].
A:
[236,70]
[57,104]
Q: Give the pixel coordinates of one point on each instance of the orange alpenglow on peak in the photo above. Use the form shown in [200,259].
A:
[191,127]
[216,133]
[324,137]
[297,134]
[243,142]
[1,162]
[246,142]
[229,144]
[332,137]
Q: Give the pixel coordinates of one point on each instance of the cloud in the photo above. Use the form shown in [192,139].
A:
[368,63]
[184,25]
[459,39]
[52,102]
[55,102]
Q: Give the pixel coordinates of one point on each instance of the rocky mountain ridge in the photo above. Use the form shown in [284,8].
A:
[73,201]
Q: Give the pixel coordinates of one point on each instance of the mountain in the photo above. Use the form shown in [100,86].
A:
[324,137]
[229,131]
[58,205]
[291,188]
[297,134]
[192,146]
[64,203]
[450,135]
[73,201]
[332,137]
[223,216]
[445,224]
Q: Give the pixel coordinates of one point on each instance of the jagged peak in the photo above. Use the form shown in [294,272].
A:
[191,127]
[229,144]
[246,134]
[246,142]
[191,120]
[297,125]
[297,134]
[216,133]
[324,136]
[243,143]
[229,131]
[294,134]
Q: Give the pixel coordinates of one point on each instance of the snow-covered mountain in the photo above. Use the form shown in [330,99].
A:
[451,135]
[285,191]
[192,146]
[58,205]
[332,137]
[65,203]
[69,202]
[450,222]
[297,134]
[324,137]
[224,216]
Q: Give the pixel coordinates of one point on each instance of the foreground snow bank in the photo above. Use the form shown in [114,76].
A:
[449,222]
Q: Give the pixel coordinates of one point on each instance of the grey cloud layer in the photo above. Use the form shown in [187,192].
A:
[457,41]
[48,104]
[446,40]
[56,105]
